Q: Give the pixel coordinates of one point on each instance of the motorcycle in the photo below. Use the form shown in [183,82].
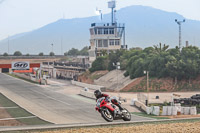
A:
[109,111]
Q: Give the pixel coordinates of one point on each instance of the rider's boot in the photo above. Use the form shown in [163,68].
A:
[120,107]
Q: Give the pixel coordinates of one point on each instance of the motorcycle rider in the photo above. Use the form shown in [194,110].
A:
[98,95]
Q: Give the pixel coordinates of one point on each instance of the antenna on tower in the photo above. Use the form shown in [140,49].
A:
[112,5]
[115,18]
[99,12]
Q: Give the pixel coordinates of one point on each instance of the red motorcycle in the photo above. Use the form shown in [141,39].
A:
[109,111]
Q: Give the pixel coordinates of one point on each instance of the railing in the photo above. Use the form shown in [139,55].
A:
[108,24]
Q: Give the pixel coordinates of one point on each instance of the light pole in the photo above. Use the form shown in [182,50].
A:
[8,44]
[147,100]
[117,65]
[52,47]
[61,42]
[179,23]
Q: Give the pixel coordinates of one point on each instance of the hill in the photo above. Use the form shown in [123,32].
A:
[145,26]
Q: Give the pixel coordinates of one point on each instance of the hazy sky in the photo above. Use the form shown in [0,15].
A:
[17,16]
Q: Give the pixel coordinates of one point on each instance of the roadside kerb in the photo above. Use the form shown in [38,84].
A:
[90,86]
[57,126]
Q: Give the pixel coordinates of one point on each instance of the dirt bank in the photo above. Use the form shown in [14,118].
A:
[189,127]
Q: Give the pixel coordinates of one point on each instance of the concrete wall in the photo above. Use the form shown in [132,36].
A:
[90,86]
[141,105]
[87,94]
[43,82]
[141,97]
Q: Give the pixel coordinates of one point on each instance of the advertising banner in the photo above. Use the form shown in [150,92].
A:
[20,65]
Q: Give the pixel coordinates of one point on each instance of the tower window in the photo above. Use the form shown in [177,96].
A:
[100,43]
[95,31]
[106,31]
[117,42]
[112,42]
[105,43]
[111,31]
[100,31]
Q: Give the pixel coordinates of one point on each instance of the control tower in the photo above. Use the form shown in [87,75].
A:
[106,37]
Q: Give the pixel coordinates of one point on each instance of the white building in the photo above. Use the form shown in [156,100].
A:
[106,37]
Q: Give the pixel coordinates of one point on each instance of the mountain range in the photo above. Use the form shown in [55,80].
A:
[145,26]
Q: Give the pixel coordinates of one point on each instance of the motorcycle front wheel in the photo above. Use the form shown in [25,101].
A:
[127,115]
[107,115]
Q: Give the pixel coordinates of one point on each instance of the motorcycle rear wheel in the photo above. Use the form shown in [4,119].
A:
[106,114]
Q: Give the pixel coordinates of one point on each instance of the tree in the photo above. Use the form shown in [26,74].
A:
[191,58]
[104,52]
[114,57]
[160,48]
[27,54]
[84,51]
[137,68]
[158,60]
[51,54]
[17,53]
[75,52]
[72,52]
[5,54]
[41,54]
[65,54]
[173,66]
[99,64]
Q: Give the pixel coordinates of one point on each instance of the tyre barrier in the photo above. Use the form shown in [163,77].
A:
[173,110]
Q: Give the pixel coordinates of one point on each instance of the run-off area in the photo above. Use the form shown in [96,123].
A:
[13,115]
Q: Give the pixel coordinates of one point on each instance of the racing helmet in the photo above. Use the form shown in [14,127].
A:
[97,94]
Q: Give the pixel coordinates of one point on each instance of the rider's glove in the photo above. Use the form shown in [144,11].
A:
[96,108]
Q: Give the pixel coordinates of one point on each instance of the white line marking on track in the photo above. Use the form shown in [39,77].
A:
[52,98]
[4,119]
[39,92]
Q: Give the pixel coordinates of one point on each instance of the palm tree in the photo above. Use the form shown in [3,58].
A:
[160,49]
[104,52]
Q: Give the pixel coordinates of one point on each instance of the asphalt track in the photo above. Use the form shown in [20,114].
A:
[52,106]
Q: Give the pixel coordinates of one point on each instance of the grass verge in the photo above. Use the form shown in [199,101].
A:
[149,116]
[20,112]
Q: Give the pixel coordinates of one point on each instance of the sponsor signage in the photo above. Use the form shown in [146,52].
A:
[20,65]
